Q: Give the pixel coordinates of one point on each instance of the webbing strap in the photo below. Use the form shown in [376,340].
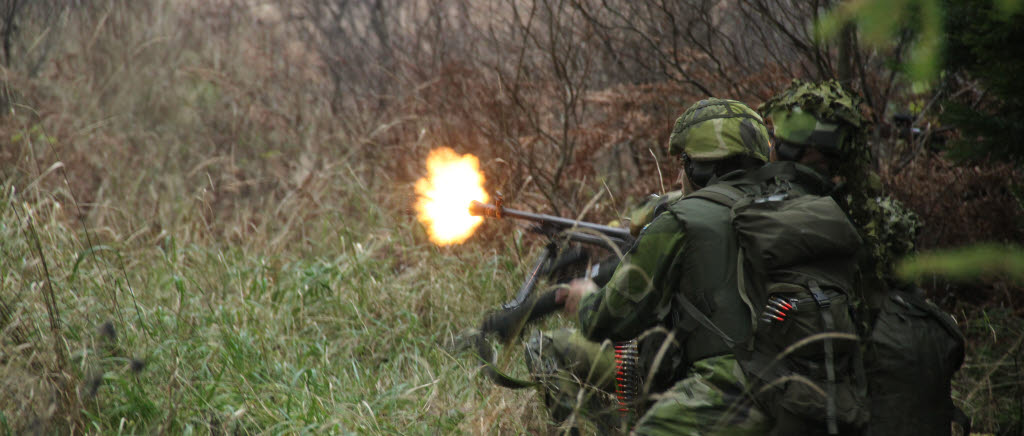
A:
[727,195]
[722,194]
[830,366]
[486,355]
[741,285]
[858,364]
[703,320]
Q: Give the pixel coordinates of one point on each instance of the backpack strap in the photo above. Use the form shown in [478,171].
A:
[727,196]
[704,320]
[720,193]
[830,365]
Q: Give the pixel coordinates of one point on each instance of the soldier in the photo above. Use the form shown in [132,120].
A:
[715,138]
[688,276]
[911,347]
[821,125]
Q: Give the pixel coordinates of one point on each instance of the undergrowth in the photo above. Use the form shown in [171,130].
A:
[194,238]
[164,335]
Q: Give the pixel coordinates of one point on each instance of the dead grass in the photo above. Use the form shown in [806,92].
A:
[231,249]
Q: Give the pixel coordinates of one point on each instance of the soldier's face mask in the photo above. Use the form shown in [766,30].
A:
[787,151]
[699,173]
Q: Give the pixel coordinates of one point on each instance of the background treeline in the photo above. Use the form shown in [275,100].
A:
[205,223]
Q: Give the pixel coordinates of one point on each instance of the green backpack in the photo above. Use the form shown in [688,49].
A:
[796,268]
[911,354]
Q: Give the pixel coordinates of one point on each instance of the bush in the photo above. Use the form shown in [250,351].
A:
[986,47]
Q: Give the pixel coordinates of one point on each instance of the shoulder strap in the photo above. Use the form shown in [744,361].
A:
[727,196]
[720,193]
[704,320]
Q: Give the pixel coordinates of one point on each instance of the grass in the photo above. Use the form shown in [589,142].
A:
[216,267]
[346,332]
[990,385]
[348,336]
[191,242]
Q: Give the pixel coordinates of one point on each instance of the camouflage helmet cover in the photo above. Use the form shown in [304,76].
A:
[821,115]
[716,129]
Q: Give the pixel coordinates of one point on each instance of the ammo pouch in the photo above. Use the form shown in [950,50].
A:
[804,320]
[807,369]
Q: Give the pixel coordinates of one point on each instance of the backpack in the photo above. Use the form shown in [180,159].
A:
[911,353]
[796,269]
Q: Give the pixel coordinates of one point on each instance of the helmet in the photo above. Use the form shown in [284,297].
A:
[824,116]
[716,129]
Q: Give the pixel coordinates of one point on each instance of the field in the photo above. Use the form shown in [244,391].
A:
[205,229]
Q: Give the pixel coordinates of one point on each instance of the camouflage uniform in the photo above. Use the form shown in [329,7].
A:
[643,214]
[576,376]
[826,117]
[712,400]
[709,391]
[911,348]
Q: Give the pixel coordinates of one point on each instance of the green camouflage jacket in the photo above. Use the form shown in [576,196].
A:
[661,263]
[639,294]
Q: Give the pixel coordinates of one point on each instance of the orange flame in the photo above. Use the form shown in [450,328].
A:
[452,182]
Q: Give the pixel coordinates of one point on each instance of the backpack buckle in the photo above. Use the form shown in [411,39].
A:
[819,297]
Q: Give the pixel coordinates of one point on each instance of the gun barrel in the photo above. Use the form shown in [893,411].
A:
[477,208]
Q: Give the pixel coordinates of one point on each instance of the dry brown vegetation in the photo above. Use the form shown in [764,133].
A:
[231,155]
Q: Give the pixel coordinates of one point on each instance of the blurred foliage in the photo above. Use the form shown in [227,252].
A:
[882,21]
[973,46]
[968,263]
[987,44]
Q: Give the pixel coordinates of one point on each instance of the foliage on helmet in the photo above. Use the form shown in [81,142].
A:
[716,129]
[837,116]
[827,101]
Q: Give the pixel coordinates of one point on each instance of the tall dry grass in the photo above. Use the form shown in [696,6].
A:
[205,225]
[191,244]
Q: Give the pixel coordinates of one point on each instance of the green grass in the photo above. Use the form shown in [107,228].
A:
[222,256]
[990,385]
[214,267]
[348,337]
[346,331]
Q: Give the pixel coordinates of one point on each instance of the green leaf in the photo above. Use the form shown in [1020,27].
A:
[880,20]
[1009,7]
[968,263]
[828,25]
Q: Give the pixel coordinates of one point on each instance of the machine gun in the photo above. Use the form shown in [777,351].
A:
[508,321]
